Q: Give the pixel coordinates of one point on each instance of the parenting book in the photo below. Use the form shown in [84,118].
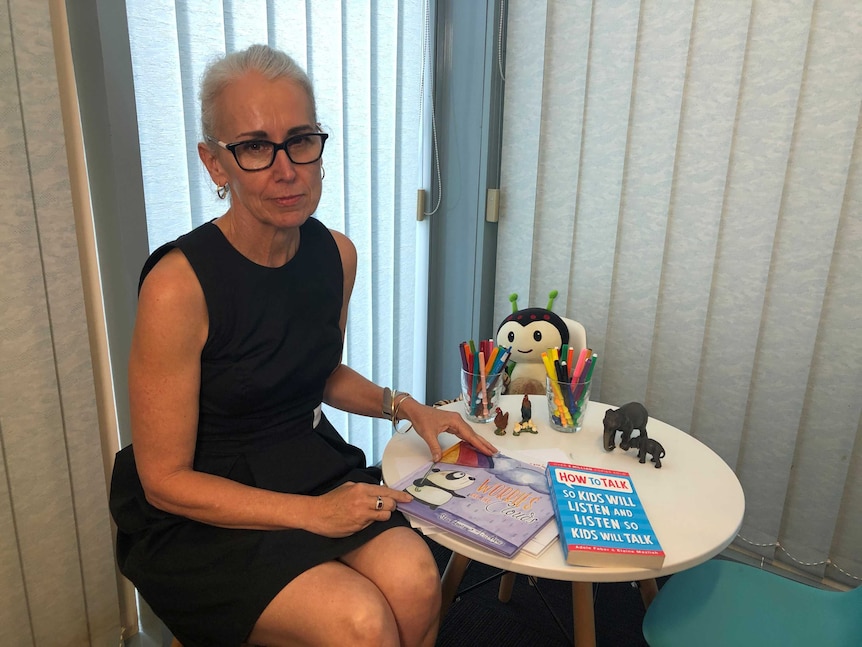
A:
[601,519]
[496,501]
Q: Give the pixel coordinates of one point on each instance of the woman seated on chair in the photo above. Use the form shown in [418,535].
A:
[242,514]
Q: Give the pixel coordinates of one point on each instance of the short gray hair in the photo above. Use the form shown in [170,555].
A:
[273,64]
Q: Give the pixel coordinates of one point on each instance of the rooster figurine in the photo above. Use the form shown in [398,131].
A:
[526,425]
[501,421]
[526,409]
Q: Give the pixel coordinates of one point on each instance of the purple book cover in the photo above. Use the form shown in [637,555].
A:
[496,501]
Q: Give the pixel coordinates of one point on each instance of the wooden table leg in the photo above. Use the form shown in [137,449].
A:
[506,584]
[584,614]
[451,580]
[648,589]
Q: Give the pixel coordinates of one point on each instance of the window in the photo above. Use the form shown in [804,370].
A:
[366,63]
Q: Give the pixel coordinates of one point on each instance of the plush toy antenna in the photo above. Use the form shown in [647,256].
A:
[551,296]
[514,300]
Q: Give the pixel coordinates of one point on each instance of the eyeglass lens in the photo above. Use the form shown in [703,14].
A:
[258,154]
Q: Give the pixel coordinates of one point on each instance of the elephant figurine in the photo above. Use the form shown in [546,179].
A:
[646,445]
[626,419]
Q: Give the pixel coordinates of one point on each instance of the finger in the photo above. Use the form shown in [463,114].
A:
[387,506]
[469,435]
[398,496]
[434,446]
[480,443]
[484,446]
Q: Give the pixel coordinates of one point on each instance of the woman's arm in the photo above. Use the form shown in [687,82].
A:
[349,391]
[164,383]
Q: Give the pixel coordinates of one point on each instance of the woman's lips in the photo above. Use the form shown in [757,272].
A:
[288,200]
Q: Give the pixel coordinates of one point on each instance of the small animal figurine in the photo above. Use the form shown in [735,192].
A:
[501,421]
[646,445]
[529,333]
[626,419]
[526,425]
[526,409]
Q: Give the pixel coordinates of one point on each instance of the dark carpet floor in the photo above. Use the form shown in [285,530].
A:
[478,619]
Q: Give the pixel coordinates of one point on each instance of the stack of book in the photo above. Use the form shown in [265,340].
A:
[498,502]
[506,505]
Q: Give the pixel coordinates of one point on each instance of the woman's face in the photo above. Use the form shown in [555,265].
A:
[252,107]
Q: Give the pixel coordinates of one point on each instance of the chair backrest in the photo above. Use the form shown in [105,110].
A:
[577,334]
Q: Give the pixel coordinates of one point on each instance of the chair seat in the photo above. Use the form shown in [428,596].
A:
[722,603]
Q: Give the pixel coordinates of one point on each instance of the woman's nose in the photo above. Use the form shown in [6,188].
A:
[283,165]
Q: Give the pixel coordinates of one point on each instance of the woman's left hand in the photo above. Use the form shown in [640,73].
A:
[430,422]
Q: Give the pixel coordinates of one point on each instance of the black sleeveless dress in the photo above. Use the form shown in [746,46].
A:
[273,340]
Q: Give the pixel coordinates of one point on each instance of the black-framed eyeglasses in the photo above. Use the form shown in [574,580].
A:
[259,154]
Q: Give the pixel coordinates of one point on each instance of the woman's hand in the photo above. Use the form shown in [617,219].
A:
[430,422]
[351,507]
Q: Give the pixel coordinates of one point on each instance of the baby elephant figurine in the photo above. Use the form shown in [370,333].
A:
[646,445]
[626,419]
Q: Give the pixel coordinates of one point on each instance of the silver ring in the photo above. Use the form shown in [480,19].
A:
[379,504]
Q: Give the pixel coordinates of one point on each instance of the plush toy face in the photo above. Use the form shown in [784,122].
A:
[531,332]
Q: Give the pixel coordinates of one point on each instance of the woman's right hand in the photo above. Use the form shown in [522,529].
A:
[351,507]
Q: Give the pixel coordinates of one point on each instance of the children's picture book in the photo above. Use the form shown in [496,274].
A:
[496,501]
[601,519]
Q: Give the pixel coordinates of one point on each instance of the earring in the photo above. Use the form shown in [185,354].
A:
[322,172]
[221,191]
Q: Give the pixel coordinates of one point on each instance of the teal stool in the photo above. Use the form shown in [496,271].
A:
[724,603]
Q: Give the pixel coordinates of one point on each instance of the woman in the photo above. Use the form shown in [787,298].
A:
[242,515]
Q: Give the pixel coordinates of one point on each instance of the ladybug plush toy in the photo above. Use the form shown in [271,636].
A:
[530,332]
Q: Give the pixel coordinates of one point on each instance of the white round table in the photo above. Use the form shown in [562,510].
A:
[694,501]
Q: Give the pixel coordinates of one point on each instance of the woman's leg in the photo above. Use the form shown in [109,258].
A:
[402,568]
[330,604]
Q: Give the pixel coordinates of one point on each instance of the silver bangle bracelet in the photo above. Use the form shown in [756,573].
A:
[397,400]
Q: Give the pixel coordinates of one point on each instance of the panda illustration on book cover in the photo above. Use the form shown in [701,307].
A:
[438,486]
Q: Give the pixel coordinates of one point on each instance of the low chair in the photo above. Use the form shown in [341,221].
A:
[722,602]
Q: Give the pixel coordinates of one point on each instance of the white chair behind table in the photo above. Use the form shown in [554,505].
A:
[577,334]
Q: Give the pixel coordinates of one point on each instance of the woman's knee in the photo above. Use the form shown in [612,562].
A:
[417,578]
[369,621]
[328,604]
[402,567]
[427,577]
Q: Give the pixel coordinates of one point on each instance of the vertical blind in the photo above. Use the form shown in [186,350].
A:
[57,580]
[689,176]
[365,61]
